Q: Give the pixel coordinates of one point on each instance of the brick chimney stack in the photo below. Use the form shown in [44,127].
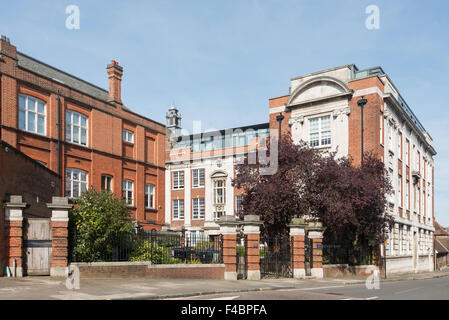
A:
[7,49]
[115,73]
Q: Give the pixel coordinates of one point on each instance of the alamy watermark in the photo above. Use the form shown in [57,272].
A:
[372,22]
[373,280]
[73,279]
[256,148]
[72,21]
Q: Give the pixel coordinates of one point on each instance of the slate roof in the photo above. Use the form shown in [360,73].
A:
[45,70]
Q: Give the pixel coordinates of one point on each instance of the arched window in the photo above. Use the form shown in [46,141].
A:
[32,114]
[75,127]
[76,181]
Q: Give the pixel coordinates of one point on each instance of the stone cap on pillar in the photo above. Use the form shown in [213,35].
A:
[315,230]
[15,202]
[315,226]
[59,203]
[297,227]
[228,224]
[227,220]
[252,219]
[297,222]
[251,224]
[14,206]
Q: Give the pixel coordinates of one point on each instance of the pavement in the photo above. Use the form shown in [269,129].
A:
[48,288]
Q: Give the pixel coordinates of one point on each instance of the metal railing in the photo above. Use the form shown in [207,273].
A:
[155,247]
[355,255]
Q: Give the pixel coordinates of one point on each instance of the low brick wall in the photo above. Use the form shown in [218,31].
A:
[342,270]
[149,271]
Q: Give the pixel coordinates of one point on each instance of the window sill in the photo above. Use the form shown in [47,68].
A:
[35,133]
[180,189]
[131,206]
[202,187]
[128,143]
[151,209]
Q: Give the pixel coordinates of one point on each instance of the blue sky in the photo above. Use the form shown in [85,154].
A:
[220,61]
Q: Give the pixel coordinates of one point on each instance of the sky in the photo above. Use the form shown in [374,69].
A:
[220,61]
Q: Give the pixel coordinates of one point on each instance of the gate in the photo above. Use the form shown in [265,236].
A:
[37,246]
[308,252]
[276,256]
[241,256]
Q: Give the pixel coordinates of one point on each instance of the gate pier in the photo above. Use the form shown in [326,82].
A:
[251,229]
[297,235]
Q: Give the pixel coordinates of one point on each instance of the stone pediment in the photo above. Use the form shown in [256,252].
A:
[316,89]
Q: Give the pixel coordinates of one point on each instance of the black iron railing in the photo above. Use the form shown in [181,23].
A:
[354,255]
[155,247]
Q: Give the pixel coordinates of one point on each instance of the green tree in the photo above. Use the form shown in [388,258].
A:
[99,222]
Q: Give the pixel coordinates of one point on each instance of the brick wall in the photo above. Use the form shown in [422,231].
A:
[148,271]
[21,175]
[143,162]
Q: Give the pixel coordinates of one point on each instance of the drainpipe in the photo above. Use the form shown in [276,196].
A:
[59,139]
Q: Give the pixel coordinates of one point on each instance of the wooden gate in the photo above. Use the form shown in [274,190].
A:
[37,246]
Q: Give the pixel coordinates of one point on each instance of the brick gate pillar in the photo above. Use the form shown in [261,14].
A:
[315,232]
[59,234]
[251,229]
[228,228]
[14,235]
[297,236]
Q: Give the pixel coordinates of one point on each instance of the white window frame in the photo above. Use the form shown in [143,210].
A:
[381,124]
[128,136]
[400,145]
[69,176]
[198,208]
[407,147]
[407,195]
[399,191]
[320,132]
[149,196]
[178,179]
[218,214]
[220,199]
[178,209]
[127,188]
[27,111]
[70,126]
[107,177]
[237,206]
[198,178]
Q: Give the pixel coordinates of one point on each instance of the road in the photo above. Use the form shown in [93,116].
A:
[428,289]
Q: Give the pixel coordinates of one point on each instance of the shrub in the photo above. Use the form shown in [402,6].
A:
[145,250]
[99,225]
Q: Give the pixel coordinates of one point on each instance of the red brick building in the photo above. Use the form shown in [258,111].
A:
[83,132]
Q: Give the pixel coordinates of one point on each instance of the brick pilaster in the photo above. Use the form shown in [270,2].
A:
[297,236]
[252,231]
[14,235]
[315,232]
[228,225]
[59,235]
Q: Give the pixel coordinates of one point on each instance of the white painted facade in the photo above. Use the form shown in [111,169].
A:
[410,245]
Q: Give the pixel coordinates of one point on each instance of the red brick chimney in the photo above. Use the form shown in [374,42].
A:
[115,72]
[7,49]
